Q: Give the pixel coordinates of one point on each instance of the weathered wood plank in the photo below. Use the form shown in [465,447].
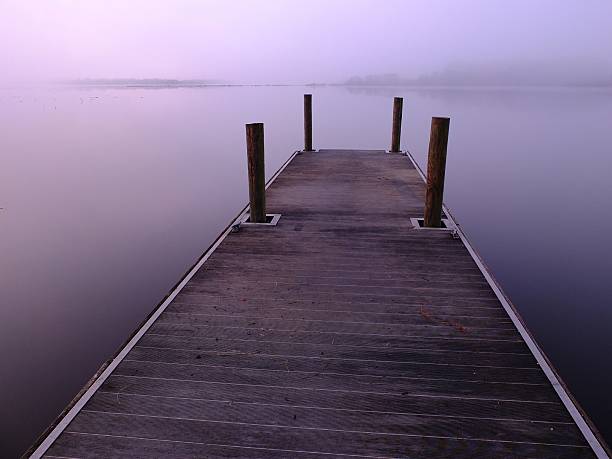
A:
[443,329]
[351,420]
[306,350]
[289,363]
[270,436]
[84,445]
[339,381]
[364,310]
[419,316]
[460,344]
[425,298]
[282,289]
[341,295]
[231,276]
[339,400]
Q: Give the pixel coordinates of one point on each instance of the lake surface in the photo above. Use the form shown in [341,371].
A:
[109,195]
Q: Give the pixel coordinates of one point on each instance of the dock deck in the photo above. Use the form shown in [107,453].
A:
[341,332]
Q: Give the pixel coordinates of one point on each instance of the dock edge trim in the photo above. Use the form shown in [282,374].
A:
[579,418]
[46,443]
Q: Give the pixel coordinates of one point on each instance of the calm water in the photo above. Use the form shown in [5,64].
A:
[109,195]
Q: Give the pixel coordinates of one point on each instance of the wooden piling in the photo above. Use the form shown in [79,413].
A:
[307,122]
[257,174]
[398,103]
[436,166]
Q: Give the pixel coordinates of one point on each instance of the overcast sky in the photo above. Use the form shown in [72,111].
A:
[296,41]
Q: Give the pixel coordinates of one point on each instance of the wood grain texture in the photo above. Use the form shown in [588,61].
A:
[257,173]
[396,131]
[436,167]
[342,332]
[307,122]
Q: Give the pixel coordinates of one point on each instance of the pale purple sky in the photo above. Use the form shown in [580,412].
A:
[291,41]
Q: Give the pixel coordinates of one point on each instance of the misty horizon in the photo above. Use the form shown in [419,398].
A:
[418,43]
[516,74]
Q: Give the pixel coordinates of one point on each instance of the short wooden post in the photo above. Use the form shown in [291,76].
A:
[257,174]
[436,166]
[396,133]
[307,122]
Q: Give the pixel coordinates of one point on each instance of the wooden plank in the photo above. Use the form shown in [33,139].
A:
[338,400]
[84,445]
[360,309]
[360,353]
[424,297]
[356,279]
[431,370]
[329,380]
[331,264]
[419,316]
[340,277]
[451,329]
[460,344]
[289,291]
[413,271]
[329,441]
[351,420]
[428,304]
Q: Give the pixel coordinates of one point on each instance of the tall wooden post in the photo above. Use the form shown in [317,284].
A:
[257,174]
[396,134]
[307,122]
[436,166]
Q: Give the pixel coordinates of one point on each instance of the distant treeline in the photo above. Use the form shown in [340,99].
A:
[140,82]
[499,77]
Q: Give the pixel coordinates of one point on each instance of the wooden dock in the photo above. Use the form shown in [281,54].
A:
[343,331]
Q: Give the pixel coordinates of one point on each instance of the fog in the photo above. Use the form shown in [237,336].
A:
[478,41]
